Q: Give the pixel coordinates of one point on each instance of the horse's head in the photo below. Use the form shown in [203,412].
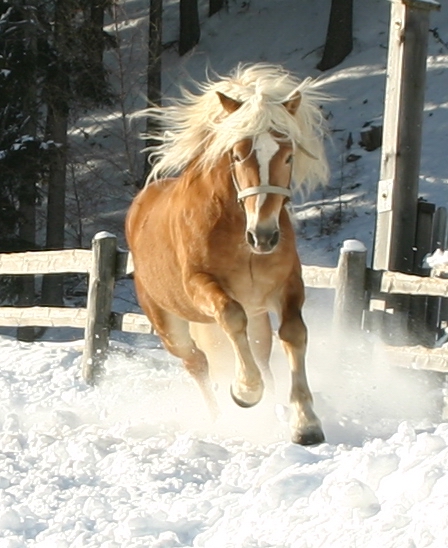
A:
[261,169]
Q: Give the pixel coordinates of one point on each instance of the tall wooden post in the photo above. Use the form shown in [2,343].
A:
[403,117]
[99,304]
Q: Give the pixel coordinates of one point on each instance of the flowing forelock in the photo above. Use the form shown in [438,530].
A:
[196,126]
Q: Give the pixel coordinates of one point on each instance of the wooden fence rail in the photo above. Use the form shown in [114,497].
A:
[105,263]
[45,262]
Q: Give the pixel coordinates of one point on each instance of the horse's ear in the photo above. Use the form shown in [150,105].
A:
[292,104]
[230,105]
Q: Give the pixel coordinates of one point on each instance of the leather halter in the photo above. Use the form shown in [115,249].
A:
[260,189]
[263,189]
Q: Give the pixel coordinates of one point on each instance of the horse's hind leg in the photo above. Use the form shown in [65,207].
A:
[176,338]
[175,335]
[305,426]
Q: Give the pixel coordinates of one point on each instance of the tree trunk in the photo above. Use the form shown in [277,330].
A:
[154,70]
[27,234]
[58,92]
[52,285]
[339,42]
[28,189]
[214,6]
[97,24]
[154,84]
[190,30]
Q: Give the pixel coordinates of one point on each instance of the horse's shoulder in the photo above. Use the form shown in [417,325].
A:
[151,191]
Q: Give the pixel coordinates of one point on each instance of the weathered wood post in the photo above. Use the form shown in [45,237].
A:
[402,136]
[349,300]
[394,246]
[99,304]
[420,330]
[438,307]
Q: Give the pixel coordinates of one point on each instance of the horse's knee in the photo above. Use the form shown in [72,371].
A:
[233,318]
[193,359]
[196,363]
[293,330]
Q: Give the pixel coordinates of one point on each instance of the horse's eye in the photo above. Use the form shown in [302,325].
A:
[289,159]
[236,157]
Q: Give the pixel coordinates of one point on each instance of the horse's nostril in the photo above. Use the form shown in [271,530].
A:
[263,241]
[250,237]
[275,238]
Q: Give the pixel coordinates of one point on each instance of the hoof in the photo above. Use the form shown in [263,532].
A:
[242,403]
[310,436]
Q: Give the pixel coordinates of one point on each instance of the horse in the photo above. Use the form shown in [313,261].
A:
[211,238]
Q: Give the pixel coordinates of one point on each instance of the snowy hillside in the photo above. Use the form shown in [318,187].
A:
[280,32]
[135,462]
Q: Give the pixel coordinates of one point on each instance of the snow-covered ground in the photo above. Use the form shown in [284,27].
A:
[135,461]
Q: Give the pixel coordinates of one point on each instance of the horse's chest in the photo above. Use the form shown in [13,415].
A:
[252,285]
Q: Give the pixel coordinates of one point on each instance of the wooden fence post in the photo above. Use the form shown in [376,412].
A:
[439,233]
[421,331]
[402,135]
[99,304]
[445,399]
[438,308]
[349,300]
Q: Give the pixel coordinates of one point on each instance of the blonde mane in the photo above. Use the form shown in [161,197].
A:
[197,126]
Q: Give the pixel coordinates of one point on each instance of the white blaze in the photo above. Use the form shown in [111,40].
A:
[265,147]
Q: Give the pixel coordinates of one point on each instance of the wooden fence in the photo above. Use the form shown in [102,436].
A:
[105,263]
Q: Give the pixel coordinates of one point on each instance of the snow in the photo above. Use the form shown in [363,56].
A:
[136,462]
[104,235]
[437,260]
[353,246]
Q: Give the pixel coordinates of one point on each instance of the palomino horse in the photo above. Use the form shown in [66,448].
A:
[215,243]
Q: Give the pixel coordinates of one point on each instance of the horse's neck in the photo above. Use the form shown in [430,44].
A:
[216,182]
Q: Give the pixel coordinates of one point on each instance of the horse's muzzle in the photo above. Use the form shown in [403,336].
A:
[263,240]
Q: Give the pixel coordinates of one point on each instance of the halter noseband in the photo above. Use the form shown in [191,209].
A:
[260,189]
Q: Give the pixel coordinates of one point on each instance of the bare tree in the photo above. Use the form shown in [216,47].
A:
[339,41]
[28,190]
[154,69]
[190,30]
[75,77]
[97,10]
[58,91]
[214,6]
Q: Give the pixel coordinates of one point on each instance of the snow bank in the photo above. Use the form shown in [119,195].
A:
[136,463]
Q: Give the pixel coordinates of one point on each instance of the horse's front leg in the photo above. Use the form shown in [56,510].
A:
[260,338]
[306,428]
[209,297]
